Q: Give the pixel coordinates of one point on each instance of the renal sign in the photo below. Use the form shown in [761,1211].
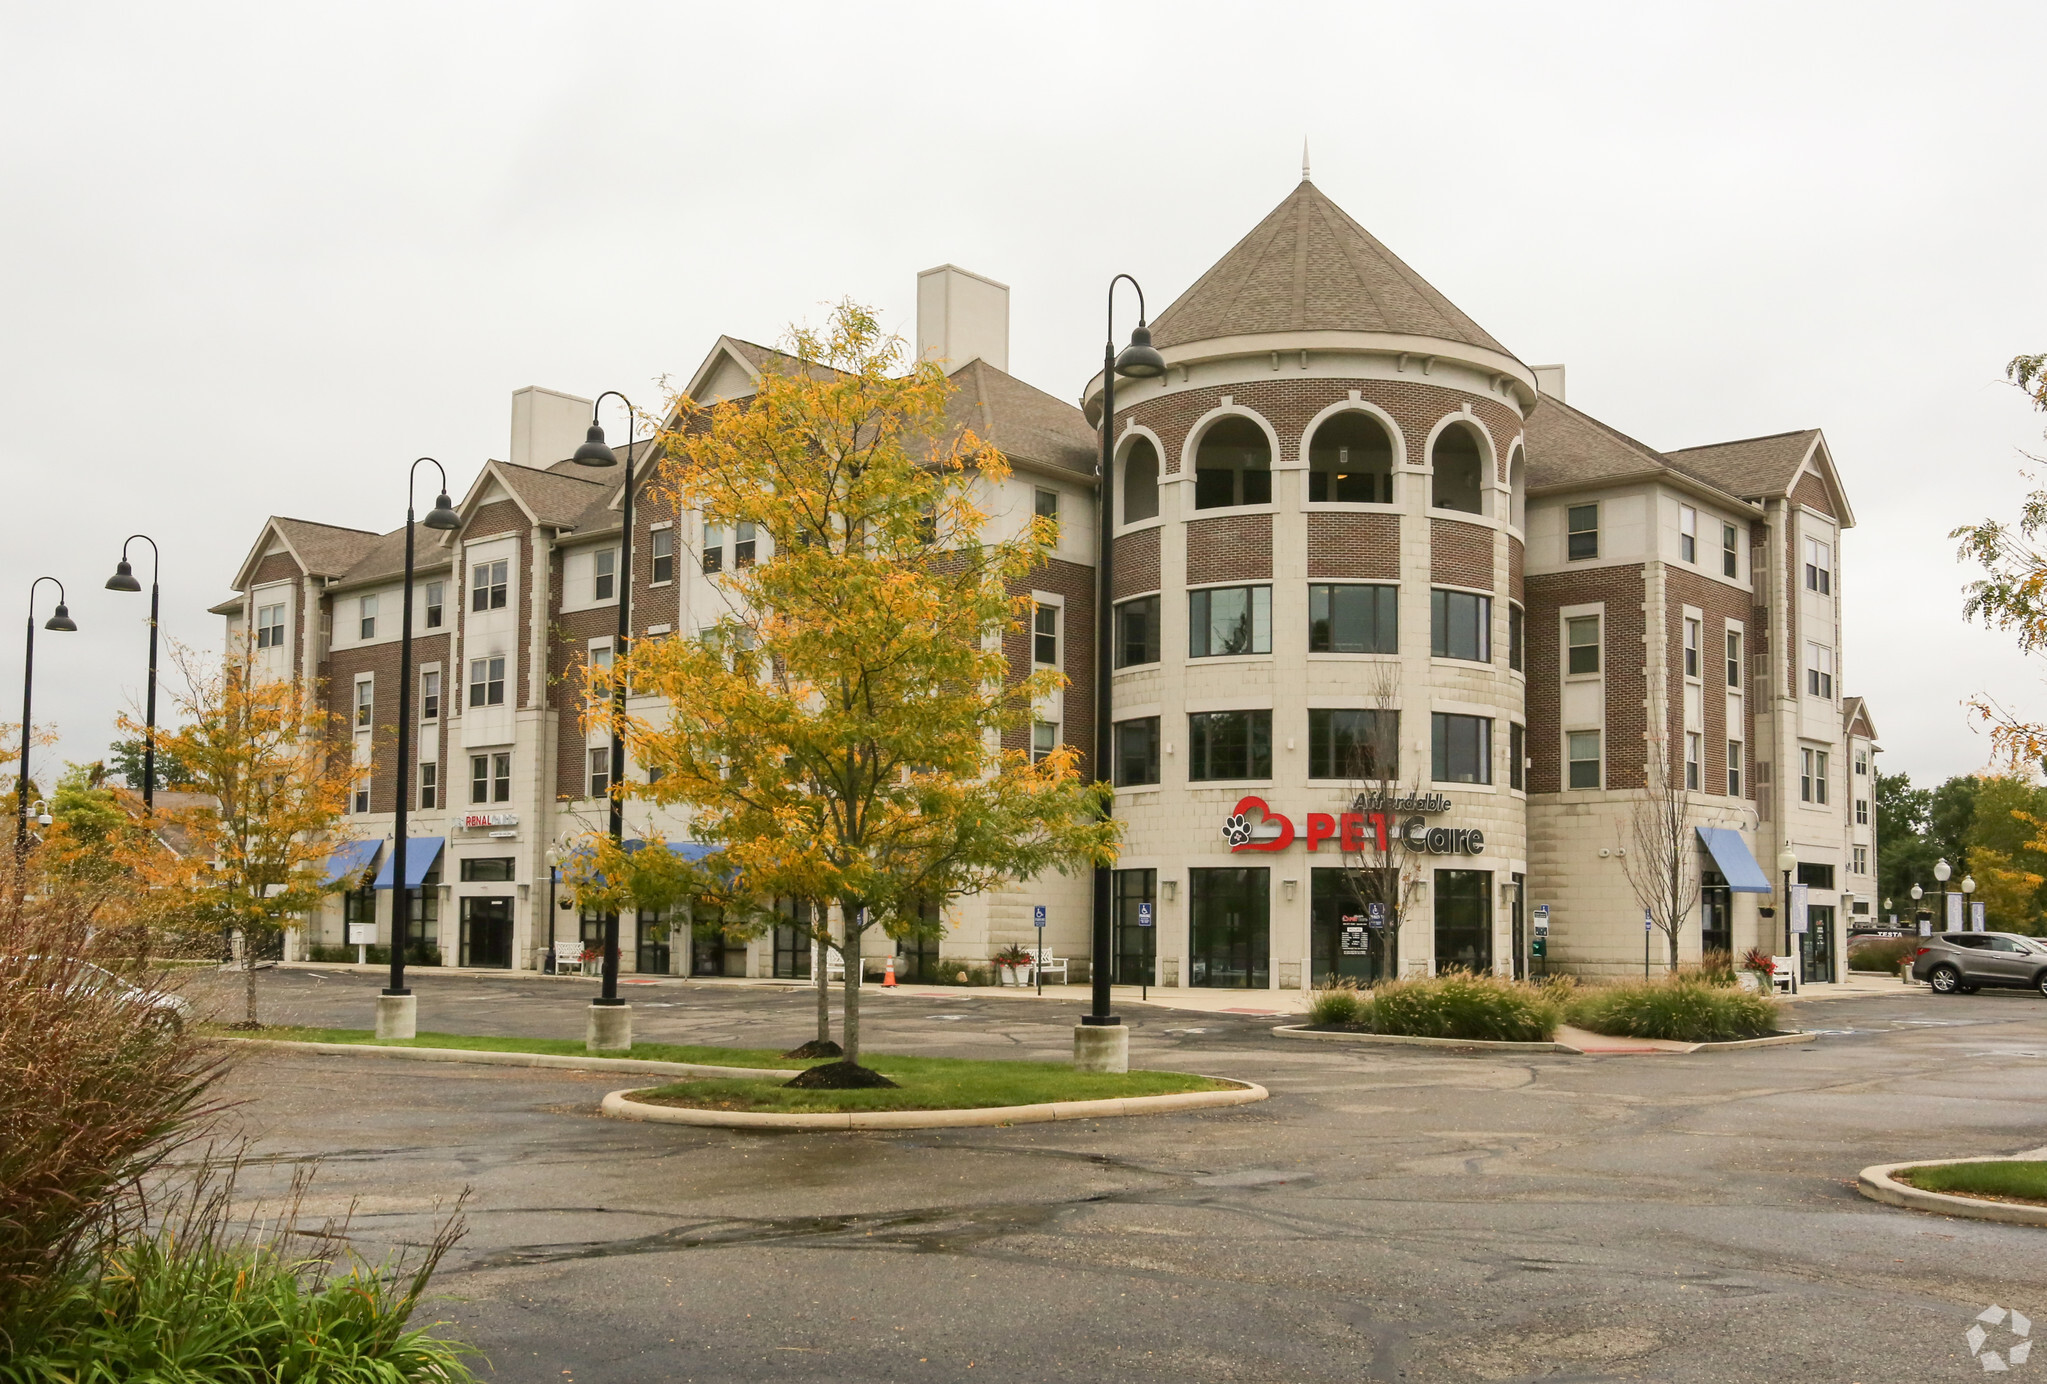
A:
[1252,826]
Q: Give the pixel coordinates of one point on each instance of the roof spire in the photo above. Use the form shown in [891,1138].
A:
[1304,158]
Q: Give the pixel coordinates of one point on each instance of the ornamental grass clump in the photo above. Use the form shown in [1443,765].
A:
[1458,1004]
[1340,1006]
[1681,1008]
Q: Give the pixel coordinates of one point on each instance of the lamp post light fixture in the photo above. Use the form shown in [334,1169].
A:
[1917,895]
[124,580]
[397,1007]
[61,622]
[1094,1050]
[1941,871]
[554,874]
[1968,902]
[614,1030]
[1787,861]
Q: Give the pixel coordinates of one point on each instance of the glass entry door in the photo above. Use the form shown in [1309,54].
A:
[1816,945]
[792,940]
[656,932]
[1716,912]
[487,932]
[1230,928]
[1136,945]
[1464,921]
[1334,909]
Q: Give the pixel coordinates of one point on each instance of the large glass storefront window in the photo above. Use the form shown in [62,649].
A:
[1230,932]
[1342,943]
[487,932]
[1816,945]
[1135,943]
[792,939]
[917,952]
[1464,921]
[711,954]
[1716,912]
[653,956]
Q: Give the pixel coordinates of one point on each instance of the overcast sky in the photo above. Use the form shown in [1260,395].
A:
[258,257]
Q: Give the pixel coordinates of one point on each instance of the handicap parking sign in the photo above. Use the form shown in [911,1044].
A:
[1144,915]
[1038,916]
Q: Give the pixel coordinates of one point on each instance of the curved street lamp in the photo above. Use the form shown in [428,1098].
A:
[124,580]
[61,622]
[1139,361]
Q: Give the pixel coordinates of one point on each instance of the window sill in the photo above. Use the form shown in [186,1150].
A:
[1141,525]
[1230,785]
[657,585]
[1352,507]
[1445,784]
[1203,659]
[1221,510]
[1449,660]
[1335,657]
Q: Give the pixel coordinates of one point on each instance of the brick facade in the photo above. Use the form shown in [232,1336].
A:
[1136,568]
[1811,490]
[1075,586]
[1718,604]
[1353,546]
[1621,590]
[344,666]
[1460,554]
[1230,547]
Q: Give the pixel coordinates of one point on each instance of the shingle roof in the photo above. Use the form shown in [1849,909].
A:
[1023,422]
[1567,446]
[561,497]
[327,550]
[386,557]
[1309,267]
[1753,465]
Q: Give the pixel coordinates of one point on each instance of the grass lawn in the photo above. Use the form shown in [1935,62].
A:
[931,1083]
[2007,1180]
[566,1047]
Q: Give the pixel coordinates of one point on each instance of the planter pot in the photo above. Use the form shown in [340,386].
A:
[1750,981]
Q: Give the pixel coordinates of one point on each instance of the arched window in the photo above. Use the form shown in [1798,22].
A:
[1350,459]
[1460,475]
[1233,465]
[1517,490]
[1140,482]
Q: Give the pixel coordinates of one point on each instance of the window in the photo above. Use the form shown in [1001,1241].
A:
[490,869]
[430,695]
[1582,749]
[429,786]
[1814,876]
[487,585]
[365,703]
[743,545]
[436,596]
[1517,637]
[604,579]
[1687,534]
[1812,776]
[1734,768]
[1861,860]
[1229,620]
[1044,740]
[1137,752]
[1137,632]
[362,794]
[1730,556]
[1350,461]
[1229,745]
[1581,637]
[1463,748]
[1694,769]
[1819,671]
[1734,658]
[1140,482]
[1045,636]
[661,548]
[1045,504]
[1581,532]
[487,681]
[270,626]
[600,655]
[1819,567]
[1694,636]
[366,617]
[490,777]
[1459,481]
[1233,466]
[714,548]
[1861,813]
[1356,745]
[1517,755]
[1862,762]
[1461,625]
[1353,619]
[600,771]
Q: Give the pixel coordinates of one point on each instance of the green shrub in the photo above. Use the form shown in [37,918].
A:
[1460,1005]
[1717,967]
[1880,953]
[1340,1006]
[1682,1008]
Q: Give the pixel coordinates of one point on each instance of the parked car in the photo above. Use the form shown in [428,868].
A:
[169,1011]
[1965,962]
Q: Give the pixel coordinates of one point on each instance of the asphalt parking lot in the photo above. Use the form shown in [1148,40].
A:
[1388,1215]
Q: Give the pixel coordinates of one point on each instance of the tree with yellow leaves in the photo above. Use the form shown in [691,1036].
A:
[2012,593]
[836,731]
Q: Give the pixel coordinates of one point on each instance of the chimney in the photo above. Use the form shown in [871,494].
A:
[961,315]
[547,426]
[1550,380]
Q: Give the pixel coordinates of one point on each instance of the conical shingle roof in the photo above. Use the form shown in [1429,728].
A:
[1309,267]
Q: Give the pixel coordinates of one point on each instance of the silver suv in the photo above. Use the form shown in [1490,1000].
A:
[1965,962]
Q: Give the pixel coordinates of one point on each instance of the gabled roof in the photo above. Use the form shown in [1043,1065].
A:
[1309,267]
[1569,447]
[1023,422]
[557,498]
[1756,467]
[321,550]
[733,359]
[1855,718]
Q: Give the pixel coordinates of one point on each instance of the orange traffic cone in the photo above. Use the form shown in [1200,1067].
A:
[888,975]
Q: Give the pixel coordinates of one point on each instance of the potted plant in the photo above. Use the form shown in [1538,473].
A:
[1758,971]
[1013,963]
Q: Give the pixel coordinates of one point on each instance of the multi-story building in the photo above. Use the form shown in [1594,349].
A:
[1348,525]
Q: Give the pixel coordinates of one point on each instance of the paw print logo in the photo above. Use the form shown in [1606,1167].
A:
[2014,1352]
[1237,829]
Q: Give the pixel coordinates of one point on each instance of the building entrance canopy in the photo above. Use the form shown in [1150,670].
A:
[1731,854]
[420,854]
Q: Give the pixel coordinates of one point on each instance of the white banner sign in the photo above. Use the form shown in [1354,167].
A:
[1799,894]
[1976,918]
[1954,912]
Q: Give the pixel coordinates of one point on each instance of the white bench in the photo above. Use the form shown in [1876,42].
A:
[1785,976]
[1048,964]
[566,954]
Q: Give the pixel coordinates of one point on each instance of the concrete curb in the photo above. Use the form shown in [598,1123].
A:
[1876,1183]
[1406,1040]
[619,1106]
[568,1061]
[1775,1040]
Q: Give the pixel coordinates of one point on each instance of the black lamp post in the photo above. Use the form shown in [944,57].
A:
[596,452]
[62,622]
[1140,362]
[441,517]
[124,580]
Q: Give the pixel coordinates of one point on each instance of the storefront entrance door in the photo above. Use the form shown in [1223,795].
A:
[1333,906]
[1816,945]
[1464,921]
[487,932]
[1135,945]
[1230,927]
[655,933]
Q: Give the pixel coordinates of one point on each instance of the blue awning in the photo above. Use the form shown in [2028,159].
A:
[1731,854]
[691,851]
[349,859]
[420,854]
